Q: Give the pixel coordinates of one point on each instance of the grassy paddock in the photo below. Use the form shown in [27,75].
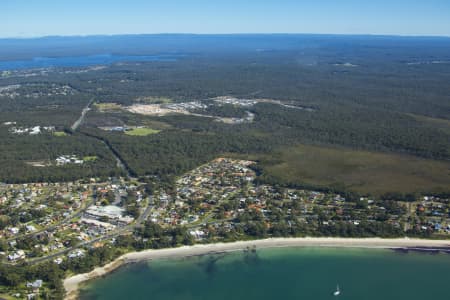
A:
[359,171]
[7,297]
[89,158]
[106,107]
[143,131]
[59,133]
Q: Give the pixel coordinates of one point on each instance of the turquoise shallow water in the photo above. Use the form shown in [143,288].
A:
[294,273]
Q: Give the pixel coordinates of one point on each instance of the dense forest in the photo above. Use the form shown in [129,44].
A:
[371,93]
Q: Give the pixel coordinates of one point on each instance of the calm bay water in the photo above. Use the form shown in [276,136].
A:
[294,273]
[80,61]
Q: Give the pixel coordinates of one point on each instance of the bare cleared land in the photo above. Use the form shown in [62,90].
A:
[153,110]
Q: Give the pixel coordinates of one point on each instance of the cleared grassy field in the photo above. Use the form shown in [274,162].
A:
[143,131]
[7,297]
[359,171]
[90,158]
[59,133]
[107,107]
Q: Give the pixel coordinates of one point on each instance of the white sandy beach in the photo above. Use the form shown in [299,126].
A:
[71,284]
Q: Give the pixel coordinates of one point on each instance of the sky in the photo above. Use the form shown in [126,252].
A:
[31,18]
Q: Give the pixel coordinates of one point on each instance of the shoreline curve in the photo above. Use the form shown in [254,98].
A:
[71,284]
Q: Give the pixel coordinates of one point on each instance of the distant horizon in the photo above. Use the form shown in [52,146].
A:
[222,34]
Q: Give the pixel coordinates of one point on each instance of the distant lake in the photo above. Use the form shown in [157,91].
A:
[81,61]
[288,274]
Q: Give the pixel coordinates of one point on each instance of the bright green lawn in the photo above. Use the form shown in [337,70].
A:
[141,131]
[89,158]
[59,133]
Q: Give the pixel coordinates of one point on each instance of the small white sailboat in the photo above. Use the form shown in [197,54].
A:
[337,292]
